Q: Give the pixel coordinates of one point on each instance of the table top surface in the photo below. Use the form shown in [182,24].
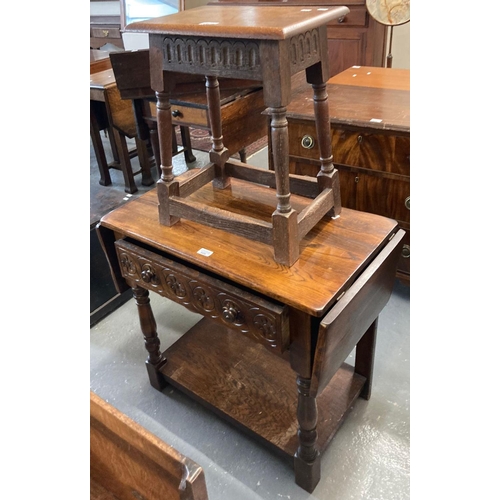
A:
[361,96]
[271,22]
[102,79]
[332,255]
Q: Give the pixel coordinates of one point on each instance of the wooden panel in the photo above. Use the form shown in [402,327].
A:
[253,316]
[256,391]
[127,462]
[334,252]
[347,322]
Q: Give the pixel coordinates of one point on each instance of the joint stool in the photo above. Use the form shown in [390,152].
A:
[265,43]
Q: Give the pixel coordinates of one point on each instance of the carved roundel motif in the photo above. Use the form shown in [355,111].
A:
[176,286]
[266,326]
[127,264]
[203,299]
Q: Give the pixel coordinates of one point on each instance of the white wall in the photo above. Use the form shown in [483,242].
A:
[400,46]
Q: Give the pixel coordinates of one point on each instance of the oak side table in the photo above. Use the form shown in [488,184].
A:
[269,353]
[269,44]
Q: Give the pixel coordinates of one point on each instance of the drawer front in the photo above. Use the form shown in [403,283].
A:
[186,115]
[105,32]
[381,152]
[356,17]
[255,317]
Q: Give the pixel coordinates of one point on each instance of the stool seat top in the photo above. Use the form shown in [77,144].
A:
[266,22]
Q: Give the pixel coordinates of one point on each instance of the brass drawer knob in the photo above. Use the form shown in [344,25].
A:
[341,19]
[405,253]
[407,203]
[176,113]
[307,142]
[360,139]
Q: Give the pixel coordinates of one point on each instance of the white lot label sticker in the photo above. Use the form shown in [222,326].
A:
[205,252]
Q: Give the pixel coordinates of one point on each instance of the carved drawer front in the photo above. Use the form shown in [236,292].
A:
[257,318]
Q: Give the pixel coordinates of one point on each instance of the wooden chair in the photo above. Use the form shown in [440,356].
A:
[131,69]
[126,461]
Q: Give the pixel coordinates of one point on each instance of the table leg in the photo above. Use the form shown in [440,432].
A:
[307,464]
[100,154]
[125,165]
[152,342]
[365,357]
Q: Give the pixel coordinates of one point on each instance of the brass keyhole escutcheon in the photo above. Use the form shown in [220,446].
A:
[105,32]
[307,142]
[405,252]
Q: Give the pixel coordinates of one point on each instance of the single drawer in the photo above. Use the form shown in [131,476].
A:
[105,32]
[189,115]
[257,318]
[356,17]
[382,152]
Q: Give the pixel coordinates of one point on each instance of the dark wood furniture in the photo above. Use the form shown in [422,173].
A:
[268,44]
[108,111]
[269,353]
[128,462]
[131,70]
[370,138]
[353,39]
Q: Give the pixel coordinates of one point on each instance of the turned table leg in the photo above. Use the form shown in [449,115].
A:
[152,342]
[365,357]
[307,463]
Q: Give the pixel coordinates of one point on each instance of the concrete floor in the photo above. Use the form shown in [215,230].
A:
[368,459]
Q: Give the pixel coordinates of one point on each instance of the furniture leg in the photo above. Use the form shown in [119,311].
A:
[153,137]
[307,463]
[186,144]
[218,154]
[152,342]
[243,155]
[124,159]
[144,161]
[285,236]
[328,176]
[102,163]
[365,357]
[166,186]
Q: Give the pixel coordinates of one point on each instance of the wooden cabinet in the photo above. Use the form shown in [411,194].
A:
[370,136]
[353,40]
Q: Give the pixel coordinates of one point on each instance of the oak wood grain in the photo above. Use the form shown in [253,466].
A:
[240,21]
[244,383]
[332,255]
[128,462]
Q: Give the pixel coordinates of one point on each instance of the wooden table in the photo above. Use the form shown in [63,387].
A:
[370,136]
[269,354]
[109,111]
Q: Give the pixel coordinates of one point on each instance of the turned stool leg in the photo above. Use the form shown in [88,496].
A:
[151,340]
[218,154]
[307,463]
[166,185]
[285,236]
[365,357]
[328,176]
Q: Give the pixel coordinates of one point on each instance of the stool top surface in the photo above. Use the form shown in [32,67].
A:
[267,22]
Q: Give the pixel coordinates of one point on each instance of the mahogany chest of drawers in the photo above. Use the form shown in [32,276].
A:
[370,134]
